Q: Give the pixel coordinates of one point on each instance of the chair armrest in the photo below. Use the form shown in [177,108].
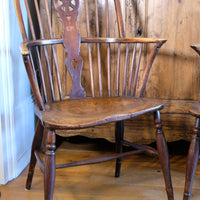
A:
[122,40]
[24,46]
[24,49]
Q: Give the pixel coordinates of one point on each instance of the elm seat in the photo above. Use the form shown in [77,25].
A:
[83,113]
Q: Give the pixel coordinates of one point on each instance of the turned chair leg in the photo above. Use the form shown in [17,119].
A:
[163,155]
[119,136]
[49,168]
[192,161]
[35,146]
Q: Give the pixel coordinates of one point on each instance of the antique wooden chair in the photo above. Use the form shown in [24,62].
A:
[112,91]
[193,153]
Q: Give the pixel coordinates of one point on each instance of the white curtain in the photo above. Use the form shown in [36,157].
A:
[16,108]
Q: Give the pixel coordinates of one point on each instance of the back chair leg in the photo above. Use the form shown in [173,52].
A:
[192,161]
[119,136]
[35,146]
[49,167]
[163,155]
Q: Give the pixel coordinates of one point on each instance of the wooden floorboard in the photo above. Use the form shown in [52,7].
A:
[141,179]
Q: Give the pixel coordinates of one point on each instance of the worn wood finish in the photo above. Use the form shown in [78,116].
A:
[176,59]
[178,66]
[119,137]
[68,12]
[39,161]
[35,147]
[118,96]
[49,167]
[162,154]
[174,114]
[141,179]
[192,160]
[175,54]
[176,69]
[99,159]
[33,81]
[87,112]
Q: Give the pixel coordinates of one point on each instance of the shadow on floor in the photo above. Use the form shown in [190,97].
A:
[179,147]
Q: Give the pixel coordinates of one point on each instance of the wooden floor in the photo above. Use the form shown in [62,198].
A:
[141,178]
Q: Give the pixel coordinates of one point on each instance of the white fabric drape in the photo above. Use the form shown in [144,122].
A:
[7,136]
[16,107]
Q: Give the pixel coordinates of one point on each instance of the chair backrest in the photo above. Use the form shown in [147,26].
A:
[101,61]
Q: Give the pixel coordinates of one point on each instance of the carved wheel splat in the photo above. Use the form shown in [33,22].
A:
[68,13]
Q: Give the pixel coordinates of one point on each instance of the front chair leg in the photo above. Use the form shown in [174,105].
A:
[35,146]
[49,168]
[119,135]
[163,154]
[192,161]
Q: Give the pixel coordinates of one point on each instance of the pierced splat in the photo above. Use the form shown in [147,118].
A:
[68,12]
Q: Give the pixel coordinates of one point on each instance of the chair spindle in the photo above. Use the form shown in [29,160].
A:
[45,51]
[118,69]
[89,47]
[137,70]
[148,66]
[54,51]
[98,49]
[132,69]
[108,48]
[125,69]
[37,51]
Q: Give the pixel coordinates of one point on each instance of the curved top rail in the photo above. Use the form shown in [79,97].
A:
[122,40]
[32,43]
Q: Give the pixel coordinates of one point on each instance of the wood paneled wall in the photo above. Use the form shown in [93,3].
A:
[175,74]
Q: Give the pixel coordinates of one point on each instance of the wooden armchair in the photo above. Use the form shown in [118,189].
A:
[193,153]
[112,91]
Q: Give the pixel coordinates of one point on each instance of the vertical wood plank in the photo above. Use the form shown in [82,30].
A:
[176,67]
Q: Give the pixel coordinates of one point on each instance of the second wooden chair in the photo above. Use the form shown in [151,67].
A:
[193,154]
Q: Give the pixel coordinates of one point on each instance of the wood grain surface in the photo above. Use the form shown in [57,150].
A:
[175,75]
[83,113]
[141,178]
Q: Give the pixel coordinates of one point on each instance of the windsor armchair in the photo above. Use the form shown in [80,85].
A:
[193,153]
[112,91]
